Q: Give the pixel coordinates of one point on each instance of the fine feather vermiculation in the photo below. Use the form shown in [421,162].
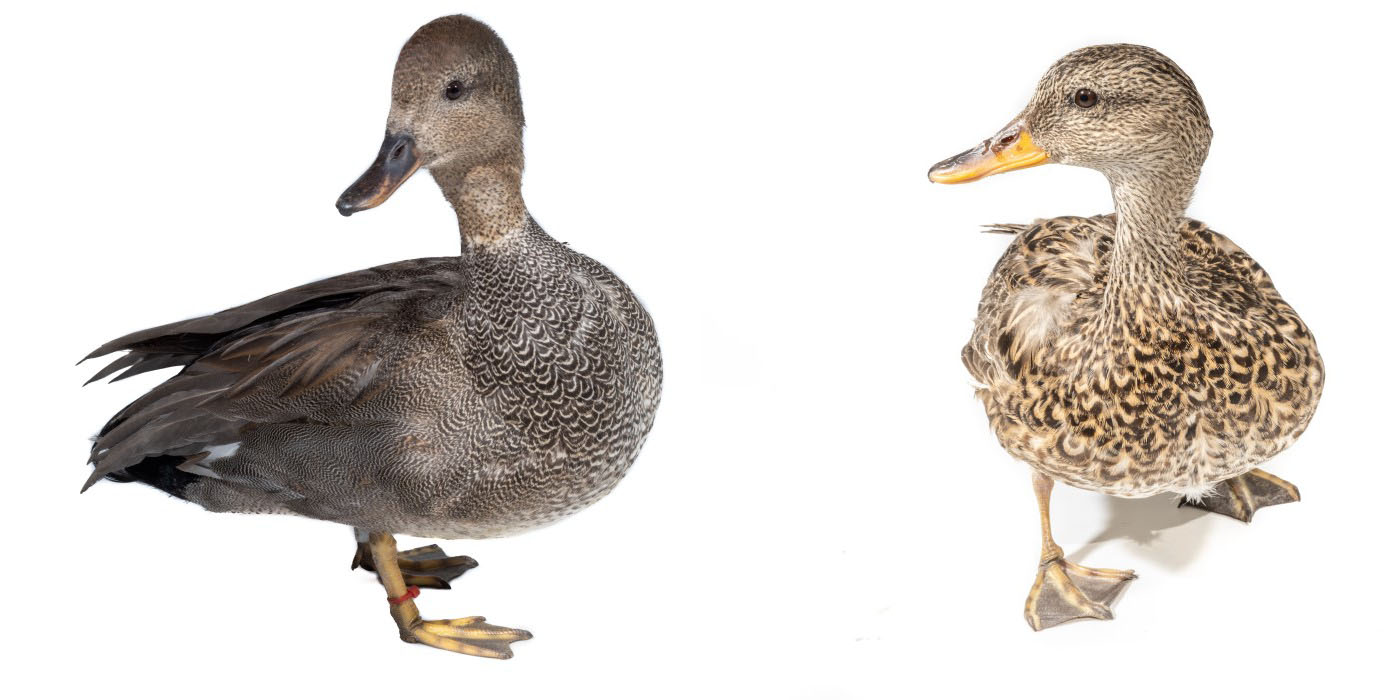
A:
[470,396]
[1187,392]
[403,398]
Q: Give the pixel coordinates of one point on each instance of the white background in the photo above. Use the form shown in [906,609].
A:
[821,511]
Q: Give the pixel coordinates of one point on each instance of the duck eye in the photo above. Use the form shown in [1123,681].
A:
[1085,98]
[454,90]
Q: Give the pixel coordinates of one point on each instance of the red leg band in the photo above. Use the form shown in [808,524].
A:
[408,595]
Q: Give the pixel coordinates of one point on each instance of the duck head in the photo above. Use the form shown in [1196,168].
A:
[1124,110]
[455,107]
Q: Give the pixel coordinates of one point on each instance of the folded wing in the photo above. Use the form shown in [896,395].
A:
[260,362]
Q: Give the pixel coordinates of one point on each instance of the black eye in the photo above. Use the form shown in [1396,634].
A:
[454,90]
[1086,98]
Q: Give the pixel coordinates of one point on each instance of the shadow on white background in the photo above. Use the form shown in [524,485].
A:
[1161,531]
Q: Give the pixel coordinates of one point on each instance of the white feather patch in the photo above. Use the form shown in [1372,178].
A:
[1036,312]
[222,451]
[1086,248]
[1196,494]
[198,470]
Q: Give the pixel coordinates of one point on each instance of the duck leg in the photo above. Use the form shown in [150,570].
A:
[1241,496]
[1065,591]
[466,635]
[425,567]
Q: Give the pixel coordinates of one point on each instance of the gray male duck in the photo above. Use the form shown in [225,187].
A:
[456,397]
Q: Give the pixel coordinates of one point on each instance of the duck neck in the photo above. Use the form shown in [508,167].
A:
[487,199]
[1145,273]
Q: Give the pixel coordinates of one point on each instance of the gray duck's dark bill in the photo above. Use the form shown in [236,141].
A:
[397,160]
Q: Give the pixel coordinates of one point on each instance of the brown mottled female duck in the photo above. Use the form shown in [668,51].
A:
[472,396]
[1135,353]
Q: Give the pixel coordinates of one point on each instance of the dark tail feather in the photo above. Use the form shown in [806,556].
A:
[160,472]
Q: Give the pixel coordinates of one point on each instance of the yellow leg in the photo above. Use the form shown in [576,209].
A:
[425,567]
[467,635]
[1064,591]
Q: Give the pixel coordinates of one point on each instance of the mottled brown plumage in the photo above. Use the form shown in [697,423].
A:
[471,396]
[1182,392]
[1139,352]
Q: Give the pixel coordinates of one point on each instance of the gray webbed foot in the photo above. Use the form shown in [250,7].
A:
[1245,494]
[425,567]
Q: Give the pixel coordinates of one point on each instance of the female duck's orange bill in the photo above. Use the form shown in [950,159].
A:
[1011,149]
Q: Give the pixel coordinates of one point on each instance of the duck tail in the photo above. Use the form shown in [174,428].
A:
[1005,229]
[162,472]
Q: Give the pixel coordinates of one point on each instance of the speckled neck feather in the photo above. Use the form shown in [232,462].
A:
[487,200]
[1147,249]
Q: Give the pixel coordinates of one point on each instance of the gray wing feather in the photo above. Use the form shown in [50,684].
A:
[274,350]
[184,341]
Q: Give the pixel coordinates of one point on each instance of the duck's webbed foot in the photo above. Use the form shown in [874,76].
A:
[1241,496]
[425,567]
[467,635]
[1065,591]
